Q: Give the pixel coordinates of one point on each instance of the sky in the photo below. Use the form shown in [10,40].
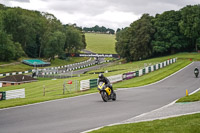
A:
[109,13]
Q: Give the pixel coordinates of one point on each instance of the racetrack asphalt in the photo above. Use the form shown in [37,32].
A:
[78,114]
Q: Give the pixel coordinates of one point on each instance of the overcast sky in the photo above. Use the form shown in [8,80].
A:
[109,13]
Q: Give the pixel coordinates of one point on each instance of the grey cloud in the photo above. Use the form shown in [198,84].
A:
[95,7]
[20,0]
[151,6]
[7,2]
[90,7]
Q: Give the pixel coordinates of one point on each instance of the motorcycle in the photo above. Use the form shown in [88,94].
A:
[106,92]
[196,72]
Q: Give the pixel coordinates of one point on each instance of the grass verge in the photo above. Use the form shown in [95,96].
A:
[191,98]
[181,124]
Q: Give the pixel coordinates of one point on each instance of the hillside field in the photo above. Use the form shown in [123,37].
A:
[100,43]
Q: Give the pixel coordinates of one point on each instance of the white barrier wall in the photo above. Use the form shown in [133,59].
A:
[140,72]
[152,69]
[146,69]
[84,85]
[161,66]
[164,63]
[115,78]
[20,93]
[168,62]
[157,67]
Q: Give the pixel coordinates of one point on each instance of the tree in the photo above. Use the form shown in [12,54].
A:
[168,38]
[118,30]
[190,24]
[8,49]
[55,45]
[74,40]
[122,44]
[134,42]
[142,32]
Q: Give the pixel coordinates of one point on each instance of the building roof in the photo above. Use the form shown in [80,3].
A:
[17,78]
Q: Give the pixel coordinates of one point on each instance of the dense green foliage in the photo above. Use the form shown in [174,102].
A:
[139,46]
[166,33]
[36,34]
[98,29]
[168,38]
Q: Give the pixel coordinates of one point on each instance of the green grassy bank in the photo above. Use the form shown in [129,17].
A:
[182,124]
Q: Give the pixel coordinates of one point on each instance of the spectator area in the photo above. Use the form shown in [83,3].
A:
[36,63]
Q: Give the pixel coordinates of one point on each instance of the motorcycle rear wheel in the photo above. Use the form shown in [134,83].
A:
[114,96]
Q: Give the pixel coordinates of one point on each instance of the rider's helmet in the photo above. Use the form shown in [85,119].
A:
[101,75]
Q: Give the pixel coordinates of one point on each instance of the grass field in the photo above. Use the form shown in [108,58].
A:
[182,124]
[34,91]
[100,43]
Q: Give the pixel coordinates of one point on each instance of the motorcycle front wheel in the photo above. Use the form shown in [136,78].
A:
[104,96]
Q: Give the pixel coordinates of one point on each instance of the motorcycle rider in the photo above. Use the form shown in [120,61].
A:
[102,78]
[196,71]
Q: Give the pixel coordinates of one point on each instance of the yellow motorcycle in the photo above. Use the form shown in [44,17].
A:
[106,92]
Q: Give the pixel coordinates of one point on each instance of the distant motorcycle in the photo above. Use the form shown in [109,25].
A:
[196,72]
[106,92]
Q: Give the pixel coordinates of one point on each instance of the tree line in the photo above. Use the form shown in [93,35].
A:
[167,33]
[36,34]
[98,29]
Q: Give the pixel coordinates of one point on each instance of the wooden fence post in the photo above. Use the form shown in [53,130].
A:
[63,88]
[43,90]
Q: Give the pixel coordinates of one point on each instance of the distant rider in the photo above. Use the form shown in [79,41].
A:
[105,80]
[196,71]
